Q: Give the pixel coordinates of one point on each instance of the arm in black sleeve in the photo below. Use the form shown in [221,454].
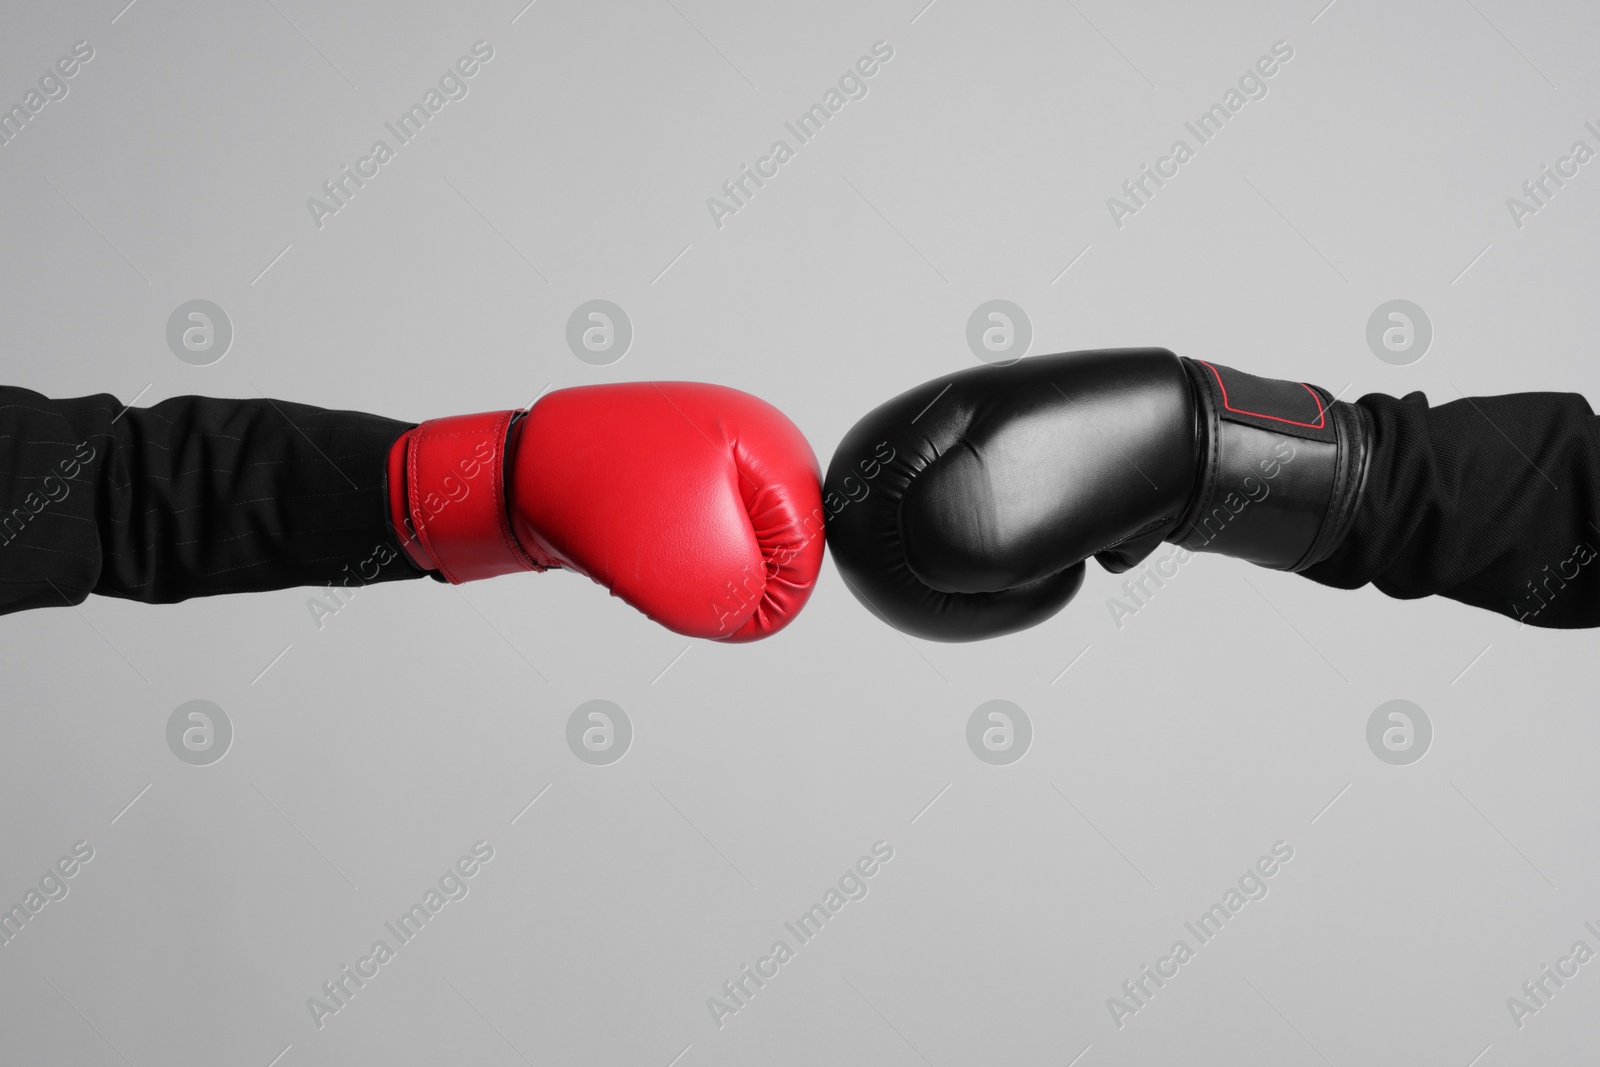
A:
[191,497]
[1487,500]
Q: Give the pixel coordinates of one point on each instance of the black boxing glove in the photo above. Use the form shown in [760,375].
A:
[966,507]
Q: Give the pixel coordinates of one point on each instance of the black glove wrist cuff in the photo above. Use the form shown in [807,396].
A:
[1281,466]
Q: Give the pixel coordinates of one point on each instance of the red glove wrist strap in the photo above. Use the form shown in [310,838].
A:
[447,499]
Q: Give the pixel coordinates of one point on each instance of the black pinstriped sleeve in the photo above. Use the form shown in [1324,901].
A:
[191,497]
[1491,501]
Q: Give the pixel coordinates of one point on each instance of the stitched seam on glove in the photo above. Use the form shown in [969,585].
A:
[1213,459]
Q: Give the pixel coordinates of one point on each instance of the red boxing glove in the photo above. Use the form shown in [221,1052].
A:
[699,505]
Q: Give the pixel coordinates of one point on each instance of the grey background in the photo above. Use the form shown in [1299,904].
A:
[1227,715]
